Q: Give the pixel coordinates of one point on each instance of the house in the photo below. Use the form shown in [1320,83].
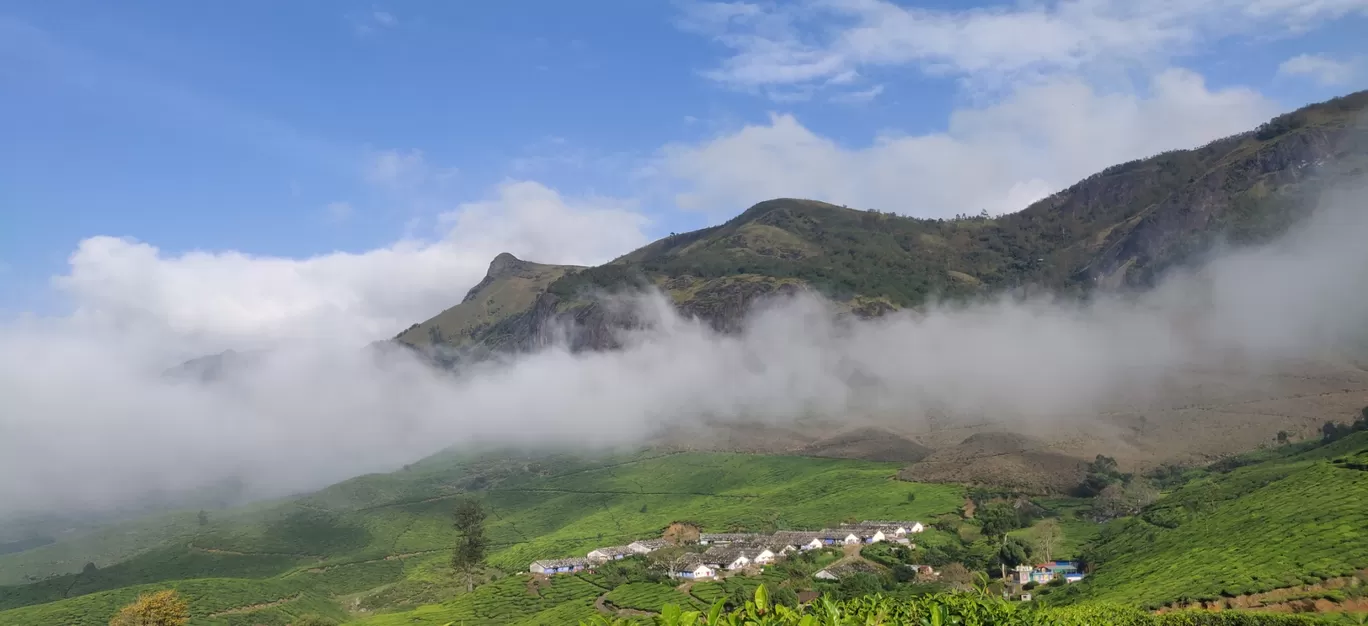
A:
[832,537]
[1041,576]
[558,566]
[726,538]
[647,546]
[1026,597]
[692,567]
[762,555]
[612,553]
[872,533]
[727,557]
[1073,577]
[1021,574]
[899,527]
[797,539]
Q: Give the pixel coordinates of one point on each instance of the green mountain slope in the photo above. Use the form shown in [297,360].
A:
[1281,523]
[382,541]
[1122,226]
[510,287]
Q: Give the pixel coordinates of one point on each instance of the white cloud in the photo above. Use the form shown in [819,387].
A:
[778,44]
[86,423]
[211,300]
[338,212]
[366,23]
[1001,157]
[400,169]
[860,96]
[384,18]
[1323,70]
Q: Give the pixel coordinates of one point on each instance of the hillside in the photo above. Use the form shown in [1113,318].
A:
[510,287]
[381,542]
[1121,227]
[1293,521]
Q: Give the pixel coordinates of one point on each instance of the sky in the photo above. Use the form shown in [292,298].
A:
[241,172]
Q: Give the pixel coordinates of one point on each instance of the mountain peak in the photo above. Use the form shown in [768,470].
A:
[503,264]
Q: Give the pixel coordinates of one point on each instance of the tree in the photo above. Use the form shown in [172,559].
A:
[955,573]
[470,550]
[1282,437]
[1048,536]
[89,569]
[998,519]
[203,518]
[860,584]
[160,608]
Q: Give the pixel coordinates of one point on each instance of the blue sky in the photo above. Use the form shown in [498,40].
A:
[270,137]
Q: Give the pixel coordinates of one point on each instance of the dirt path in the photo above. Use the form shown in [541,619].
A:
[236,553]
[604,606]
[255,607]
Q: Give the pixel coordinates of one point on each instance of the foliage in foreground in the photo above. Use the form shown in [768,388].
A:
[946,609]
[160,608]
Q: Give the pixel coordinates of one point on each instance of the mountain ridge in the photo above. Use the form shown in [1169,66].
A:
[1119,228]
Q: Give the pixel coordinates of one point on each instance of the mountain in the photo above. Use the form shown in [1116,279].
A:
[1121,227]
[510,288]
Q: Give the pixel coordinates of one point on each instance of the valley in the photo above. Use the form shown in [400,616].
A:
[1181,487]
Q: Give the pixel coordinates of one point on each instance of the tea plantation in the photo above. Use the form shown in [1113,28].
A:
[379,543]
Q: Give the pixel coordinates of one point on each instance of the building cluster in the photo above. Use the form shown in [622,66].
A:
[737,551]
[1044,573]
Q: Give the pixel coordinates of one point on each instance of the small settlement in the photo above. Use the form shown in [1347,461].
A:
[729,552]
[1045,573]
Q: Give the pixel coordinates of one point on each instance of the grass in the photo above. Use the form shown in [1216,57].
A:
[1075,529]
[1285,522]
[379,543]
[650,597]
[508,601]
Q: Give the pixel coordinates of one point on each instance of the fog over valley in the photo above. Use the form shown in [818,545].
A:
[90,420]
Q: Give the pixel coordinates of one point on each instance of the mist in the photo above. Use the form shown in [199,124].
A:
[88,421]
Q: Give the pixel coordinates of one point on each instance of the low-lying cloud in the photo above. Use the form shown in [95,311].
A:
[89,420]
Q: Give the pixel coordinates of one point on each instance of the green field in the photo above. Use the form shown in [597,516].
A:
[1283,522]
[375,547]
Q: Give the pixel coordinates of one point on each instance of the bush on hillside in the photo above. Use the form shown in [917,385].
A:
[943,608]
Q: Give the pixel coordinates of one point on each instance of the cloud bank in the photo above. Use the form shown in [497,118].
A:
[998,158]
[88,420]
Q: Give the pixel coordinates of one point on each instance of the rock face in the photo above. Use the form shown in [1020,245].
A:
[1122,227]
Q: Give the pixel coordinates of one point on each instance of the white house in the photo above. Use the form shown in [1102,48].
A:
[726,557]
[795,539]
[646,546]
[612,553]
[694,572]
[558,566]
[1023,574]
[764,556]
[691,567]
[837,537]
[898,527]
[825,575]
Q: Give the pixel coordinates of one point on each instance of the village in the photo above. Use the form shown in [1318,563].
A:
[727,554]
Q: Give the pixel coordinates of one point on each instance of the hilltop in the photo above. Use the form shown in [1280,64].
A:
[1121,227]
